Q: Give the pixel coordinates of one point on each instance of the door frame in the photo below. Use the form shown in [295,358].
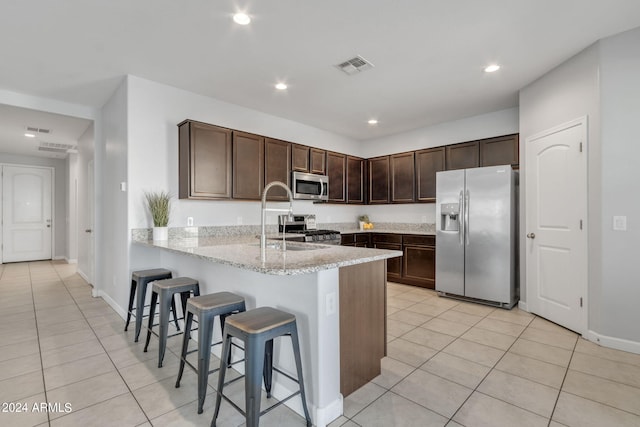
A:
[53,206]
[580,121]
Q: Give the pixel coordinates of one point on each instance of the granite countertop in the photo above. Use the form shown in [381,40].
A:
[389,230]
[244,252]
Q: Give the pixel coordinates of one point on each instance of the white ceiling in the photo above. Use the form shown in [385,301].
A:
[428,54]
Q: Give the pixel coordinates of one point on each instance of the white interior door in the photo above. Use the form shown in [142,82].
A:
[26,213]
[556,210]
[90,230]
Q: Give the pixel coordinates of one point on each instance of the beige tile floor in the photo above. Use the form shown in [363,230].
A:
[449,363]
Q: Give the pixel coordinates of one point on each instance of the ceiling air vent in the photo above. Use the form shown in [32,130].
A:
[354,65]
[55,147]
[38,130]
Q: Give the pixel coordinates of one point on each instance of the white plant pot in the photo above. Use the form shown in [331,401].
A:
[160,233]
[361,225]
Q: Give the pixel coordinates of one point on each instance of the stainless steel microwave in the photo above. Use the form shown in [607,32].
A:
[308,186]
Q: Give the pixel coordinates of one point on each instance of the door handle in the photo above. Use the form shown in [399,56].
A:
[531,235]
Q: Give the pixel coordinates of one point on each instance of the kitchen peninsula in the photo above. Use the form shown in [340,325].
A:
[337,293]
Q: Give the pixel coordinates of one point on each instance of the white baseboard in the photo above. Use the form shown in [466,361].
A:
[121,311]
[84,276]
[522,305]
[71,261]
[615,343]
[58,258]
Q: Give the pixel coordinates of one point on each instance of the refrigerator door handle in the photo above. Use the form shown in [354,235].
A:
[460,218]
[466,216]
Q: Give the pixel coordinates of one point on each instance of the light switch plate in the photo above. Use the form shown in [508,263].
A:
[189,221]
[620,223]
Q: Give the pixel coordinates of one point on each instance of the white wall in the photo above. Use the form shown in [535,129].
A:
[154,112]
[112,267]
[620,111]
[565,93]
[85,155]
[60,189]
[603,83]
[72,208]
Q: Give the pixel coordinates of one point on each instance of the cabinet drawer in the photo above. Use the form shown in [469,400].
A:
[387,238]
[347,239]
[362,237]
[418,240]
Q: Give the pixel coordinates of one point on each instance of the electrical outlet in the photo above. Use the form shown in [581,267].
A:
[620,223]
[189,221]
[330,304]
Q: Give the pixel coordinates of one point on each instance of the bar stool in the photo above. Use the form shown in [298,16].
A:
[257,328]
[167,289]
[138,292]
[206,307]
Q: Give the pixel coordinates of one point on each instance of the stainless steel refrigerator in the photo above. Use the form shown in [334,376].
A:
[476,234]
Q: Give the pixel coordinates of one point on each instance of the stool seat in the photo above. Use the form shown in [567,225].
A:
[260,320]
[176,284]
[212,302]
[153,273]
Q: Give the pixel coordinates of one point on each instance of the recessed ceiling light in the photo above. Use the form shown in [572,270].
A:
[281,86]
[29,135]
[373,122]
[241,18]
[491,68]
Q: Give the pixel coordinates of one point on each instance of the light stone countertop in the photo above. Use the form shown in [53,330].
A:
[244,252]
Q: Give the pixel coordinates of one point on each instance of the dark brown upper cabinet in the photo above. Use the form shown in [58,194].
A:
[463,156]
[355,180]
[318,162]
[378,180]
[248,166]
[402,178]
[299,158]
[502,150]
[308,159]
[336,171]
[428,162]
[204,161]
[277,155]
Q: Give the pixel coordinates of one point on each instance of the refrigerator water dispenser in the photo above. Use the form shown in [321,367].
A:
[449,215]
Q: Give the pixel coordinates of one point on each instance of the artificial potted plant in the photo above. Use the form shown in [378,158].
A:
[159,204]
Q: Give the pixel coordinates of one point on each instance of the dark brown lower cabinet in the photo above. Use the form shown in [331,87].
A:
[391,242]
[417,265]
[419,261]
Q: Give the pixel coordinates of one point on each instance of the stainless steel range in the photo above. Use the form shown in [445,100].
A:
[305,227]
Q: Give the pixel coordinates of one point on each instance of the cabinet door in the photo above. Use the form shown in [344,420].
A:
[299,158]
[355,180]
[347,239]
[394,265]
[402,178]
[379,180]
[336,171]
[204,161]
[502,150]
[277,156]
[428,162]
[317,161]
[463,156]
[248,166]
[420,265]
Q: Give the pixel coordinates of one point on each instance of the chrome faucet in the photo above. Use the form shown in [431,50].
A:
[263,235]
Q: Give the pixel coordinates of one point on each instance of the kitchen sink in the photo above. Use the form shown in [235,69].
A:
[293,246]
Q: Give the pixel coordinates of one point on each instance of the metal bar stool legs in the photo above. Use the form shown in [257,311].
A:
[166,290]
[137,293]
[206,307]
[257,328]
